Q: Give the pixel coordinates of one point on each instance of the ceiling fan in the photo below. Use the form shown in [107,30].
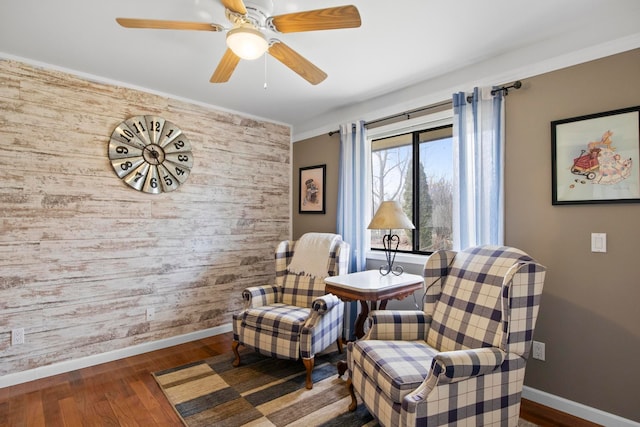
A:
[246,37]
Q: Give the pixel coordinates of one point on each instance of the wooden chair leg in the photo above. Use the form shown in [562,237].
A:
[308,363]
[234,347]
[342,367]
[354,402]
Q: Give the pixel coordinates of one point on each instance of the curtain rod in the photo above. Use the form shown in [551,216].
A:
[395,116]
[504,89]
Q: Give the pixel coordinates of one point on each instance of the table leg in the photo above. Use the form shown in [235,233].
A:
[359,330]
[362,317]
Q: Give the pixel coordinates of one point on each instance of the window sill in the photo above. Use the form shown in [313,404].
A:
[401,258]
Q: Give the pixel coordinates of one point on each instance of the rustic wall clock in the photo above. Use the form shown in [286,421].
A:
[150,154]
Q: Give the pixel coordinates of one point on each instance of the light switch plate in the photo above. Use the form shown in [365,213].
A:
[598,242]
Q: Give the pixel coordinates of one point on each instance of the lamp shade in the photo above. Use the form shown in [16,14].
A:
[390,216]
[246,41]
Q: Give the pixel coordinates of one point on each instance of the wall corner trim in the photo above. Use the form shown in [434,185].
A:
[577,409]
[110,356]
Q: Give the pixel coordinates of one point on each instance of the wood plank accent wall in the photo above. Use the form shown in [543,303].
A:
[82,255]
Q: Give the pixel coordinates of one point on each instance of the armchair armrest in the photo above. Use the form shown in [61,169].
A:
[453,366]
[257,296]
[325,303]
[406,325]
[325,310]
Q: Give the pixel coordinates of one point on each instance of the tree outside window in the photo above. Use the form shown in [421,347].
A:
[416,169]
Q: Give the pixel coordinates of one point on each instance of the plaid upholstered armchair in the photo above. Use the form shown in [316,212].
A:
[462,360]
[294,318]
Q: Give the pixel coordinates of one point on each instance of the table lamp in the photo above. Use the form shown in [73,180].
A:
[389,217]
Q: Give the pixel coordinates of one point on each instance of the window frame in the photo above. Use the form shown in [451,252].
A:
[418,124]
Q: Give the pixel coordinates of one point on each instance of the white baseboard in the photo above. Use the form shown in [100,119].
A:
[110,356]
[576,409]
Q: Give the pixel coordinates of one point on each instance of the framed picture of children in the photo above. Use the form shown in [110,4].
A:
[595,158]
[312,189]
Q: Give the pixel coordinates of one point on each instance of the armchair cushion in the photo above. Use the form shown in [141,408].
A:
[277,317]
[273,330]
[395,367]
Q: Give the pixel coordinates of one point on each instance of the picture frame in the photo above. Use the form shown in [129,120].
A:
[312,194]
[596,158]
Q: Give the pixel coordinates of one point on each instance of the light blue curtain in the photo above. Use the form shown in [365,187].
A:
[353,191]
[353,202]
[478,183]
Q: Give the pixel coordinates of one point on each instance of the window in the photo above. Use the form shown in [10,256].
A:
[416,169]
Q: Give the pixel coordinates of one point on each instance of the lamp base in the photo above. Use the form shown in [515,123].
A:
[388,240]
[395,270]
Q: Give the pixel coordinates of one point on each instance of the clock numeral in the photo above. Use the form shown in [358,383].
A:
[127,135]
[138,177]
[142,129]
[155,126]
[179,144]
[180,171]
[153,183]
[170,133]
[183,158]
[126,166]
[121,149]
[168,180]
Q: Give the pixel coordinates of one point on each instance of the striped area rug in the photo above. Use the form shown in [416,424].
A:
[260,392]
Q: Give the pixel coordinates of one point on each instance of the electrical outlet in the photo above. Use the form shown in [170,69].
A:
[538,350]
[17,336]
[151,314]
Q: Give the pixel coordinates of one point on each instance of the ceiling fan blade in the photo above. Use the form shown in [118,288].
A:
[236,6]
[167,25]
[225,68]
[331,18]
[297,63]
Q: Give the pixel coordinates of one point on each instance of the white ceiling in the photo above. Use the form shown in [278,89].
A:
[406,54]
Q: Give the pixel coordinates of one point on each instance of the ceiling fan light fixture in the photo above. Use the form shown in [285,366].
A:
[246,41]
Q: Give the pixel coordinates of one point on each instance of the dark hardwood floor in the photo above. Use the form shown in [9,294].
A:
[123,393]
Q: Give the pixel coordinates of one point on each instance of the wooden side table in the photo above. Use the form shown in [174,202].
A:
[369,287]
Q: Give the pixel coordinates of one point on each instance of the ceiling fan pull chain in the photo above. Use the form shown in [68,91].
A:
[265,71]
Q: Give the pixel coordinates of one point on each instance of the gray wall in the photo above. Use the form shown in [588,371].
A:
[589,317]
[322,150]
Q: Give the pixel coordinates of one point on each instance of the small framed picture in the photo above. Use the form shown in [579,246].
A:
[595,158]
[312,189]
